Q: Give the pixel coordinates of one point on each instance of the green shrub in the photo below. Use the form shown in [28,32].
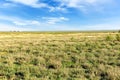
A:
[109,38]
[119,31]
[118,37]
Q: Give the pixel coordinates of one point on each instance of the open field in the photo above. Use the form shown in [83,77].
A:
[59,56]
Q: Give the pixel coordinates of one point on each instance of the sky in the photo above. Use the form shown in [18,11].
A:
[59,15]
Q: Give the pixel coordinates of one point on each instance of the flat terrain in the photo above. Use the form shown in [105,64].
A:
[59,56]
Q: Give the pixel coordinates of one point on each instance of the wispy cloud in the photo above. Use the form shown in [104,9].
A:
[27,23]
[32,3]
[7,5]
[54,20]
[86,5]
[16,23]
[63,5]
[19,21]
[23,22]
[7,27]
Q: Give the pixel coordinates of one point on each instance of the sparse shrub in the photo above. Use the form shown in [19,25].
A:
[19,60]
[19,75]
[11,51]
[27,50]
[118,37]
[72,39]
[36,53]
[109,38]
[53,64]
[35,61]
[119,31]
[104,75]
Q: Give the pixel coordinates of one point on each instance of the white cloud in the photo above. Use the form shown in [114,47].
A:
[78,3]
[86,5]
[54,20]
[32,3]
[83,5]
[15,23]
[36,4]
[58,8]
[19,21]
[7,27]
[7,5]
[26,23]
[11,23]
[31,26]
[35,22]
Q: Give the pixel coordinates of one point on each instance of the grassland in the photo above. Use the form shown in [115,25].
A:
[59,56]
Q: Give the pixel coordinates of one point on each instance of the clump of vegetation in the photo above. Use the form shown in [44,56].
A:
[59,56]
[109,37]
[118,37]
[119,31]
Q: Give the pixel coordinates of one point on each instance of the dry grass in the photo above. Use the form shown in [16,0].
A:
[59,56]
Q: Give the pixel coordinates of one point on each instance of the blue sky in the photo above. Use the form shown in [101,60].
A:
[57,15]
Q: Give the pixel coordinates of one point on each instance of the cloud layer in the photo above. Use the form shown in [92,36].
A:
[59,14]
[62,5]
[32,3]
[54,20]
